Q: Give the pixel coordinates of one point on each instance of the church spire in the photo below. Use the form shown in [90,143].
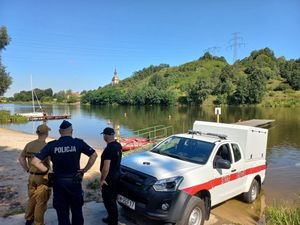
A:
[115,79]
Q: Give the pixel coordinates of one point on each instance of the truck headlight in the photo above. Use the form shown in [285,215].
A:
[169,184]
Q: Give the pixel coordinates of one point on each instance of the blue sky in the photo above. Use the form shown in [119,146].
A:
[76,44]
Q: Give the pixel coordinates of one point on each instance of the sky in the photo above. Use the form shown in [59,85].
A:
[77,44]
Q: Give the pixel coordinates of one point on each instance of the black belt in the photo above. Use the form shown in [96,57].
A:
[43,173]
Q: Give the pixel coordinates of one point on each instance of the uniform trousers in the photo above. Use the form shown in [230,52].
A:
[109,196]
[38,194]
[67,196]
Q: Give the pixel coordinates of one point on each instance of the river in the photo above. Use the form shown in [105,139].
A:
[282,184]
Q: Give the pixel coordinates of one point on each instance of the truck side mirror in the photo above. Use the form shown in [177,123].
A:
[221,163]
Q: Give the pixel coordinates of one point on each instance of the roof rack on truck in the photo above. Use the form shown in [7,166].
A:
[221,136]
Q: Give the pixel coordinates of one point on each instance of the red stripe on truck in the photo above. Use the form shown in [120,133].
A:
[221,180]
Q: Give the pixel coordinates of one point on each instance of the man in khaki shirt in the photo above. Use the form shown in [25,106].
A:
[38,191]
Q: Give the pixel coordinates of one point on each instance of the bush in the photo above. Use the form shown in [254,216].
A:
[5,117]
[94,185]
[282,87]
[221,99]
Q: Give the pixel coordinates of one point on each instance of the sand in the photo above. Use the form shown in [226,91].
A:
[13,179]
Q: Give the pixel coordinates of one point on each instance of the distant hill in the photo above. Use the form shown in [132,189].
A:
[260,78]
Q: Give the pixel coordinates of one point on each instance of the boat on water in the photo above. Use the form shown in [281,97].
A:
[132,143]
[42,115]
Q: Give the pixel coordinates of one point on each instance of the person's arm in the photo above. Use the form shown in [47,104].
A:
[39,164]
[104,172]
[90,162]
[23,163]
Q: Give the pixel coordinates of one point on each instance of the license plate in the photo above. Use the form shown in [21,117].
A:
[126,201]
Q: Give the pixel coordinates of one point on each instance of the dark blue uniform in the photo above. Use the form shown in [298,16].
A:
[67,193]
[112,152]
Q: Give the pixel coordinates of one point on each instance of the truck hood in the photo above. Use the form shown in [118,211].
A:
[156,165]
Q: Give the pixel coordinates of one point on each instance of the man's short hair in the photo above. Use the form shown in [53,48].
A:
[42,129]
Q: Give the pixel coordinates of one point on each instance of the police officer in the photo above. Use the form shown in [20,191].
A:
[38,191]
[65,156]
[110,173]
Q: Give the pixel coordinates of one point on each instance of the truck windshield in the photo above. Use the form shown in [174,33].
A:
[187,149]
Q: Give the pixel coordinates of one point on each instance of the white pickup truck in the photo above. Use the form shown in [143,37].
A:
[182,177]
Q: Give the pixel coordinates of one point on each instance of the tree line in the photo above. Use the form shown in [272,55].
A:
[47,95]
[245,82]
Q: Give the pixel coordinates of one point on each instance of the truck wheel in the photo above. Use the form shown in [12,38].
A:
[253,192]
[194,212]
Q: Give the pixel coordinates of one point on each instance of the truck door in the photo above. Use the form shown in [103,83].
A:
[228,182]
[238,175]
[224,183]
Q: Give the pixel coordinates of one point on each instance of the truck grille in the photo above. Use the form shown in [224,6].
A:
[135,185]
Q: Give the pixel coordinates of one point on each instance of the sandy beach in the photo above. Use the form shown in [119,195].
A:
[13,179]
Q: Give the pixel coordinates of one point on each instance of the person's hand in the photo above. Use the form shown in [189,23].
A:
[78,177]
[81,171]
[102,183]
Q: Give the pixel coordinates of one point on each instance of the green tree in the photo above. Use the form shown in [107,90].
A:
[256,86]
[4,38]
[198,92]
[251,88]
[224,84]
[5,79]
[22,96]
[60,96]
[294,81]
[158,81]
[241,93]
[291,71]
[41,95]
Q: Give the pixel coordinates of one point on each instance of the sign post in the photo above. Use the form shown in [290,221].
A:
[218,113]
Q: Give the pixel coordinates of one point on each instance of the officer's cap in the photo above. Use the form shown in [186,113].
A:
[108,131]
[42,129]
[65,125]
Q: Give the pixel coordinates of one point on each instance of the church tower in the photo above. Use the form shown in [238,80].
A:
[115,80]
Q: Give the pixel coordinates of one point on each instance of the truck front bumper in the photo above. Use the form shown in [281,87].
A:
[162,206]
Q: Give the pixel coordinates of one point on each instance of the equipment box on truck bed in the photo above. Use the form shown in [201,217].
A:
[182,177]
[252,140]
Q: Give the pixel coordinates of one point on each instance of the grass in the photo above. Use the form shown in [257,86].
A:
[286,98]
[283,216]
[5,117]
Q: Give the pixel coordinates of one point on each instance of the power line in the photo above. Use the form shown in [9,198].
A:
[235,43]
[212,50]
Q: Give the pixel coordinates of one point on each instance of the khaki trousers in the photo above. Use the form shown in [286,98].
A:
[39,194]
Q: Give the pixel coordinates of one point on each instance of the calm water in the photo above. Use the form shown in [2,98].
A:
[283,175]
